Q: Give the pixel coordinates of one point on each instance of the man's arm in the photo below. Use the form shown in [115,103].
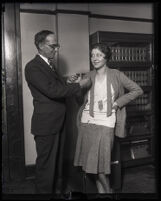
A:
[51,88]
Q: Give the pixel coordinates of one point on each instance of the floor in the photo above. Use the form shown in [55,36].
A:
[137,180]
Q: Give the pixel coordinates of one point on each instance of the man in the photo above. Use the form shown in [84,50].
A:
[49,91]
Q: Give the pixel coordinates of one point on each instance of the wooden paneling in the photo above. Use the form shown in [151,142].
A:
[12,66]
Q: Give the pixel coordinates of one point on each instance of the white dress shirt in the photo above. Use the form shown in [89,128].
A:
[44,58]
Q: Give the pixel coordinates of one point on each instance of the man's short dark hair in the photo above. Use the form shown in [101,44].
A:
[103,48]
[41,36]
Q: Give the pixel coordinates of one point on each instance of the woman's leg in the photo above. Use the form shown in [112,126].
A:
[100,187]
[103,183]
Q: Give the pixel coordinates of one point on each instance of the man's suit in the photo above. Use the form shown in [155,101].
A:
[49,91]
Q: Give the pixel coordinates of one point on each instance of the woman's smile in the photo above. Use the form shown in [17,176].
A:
[98,58]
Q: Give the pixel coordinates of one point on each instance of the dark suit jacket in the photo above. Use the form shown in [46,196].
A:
[49,91]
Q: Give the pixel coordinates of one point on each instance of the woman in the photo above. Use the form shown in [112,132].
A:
[101,116]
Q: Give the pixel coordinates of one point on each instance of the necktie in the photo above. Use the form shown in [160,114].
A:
[51,64]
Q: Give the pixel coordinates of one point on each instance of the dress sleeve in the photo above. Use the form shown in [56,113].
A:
[134,90]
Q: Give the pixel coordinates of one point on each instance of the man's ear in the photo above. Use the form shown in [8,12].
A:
[41,46]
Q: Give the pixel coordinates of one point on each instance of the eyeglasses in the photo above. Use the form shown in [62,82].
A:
[54,46]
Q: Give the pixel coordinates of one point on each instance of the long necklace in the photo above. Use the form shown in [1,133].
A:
[99,85]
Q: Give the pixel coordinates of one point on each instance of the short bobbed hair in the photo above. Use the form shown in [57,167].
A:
[104,49]
[41,36]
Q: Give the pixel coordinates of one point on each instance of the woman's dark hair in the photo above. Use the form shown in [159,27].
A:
[41,36]
[103,48]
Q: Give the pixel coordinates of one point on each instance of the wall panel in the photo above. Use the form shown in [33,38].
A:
[30,25]
[134,10]
[98,24]
[73,6]
[38,6]
[13,162]
[73,36]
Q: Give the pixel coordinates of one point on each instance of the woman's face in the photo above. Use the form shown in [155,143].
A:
[98,58]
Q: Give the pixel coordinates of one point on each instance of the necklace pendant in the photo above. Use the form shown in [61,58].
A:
[100,105]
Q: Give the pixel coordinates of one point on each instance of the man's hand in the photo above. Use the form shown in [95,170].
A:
[73,79]
[85,82]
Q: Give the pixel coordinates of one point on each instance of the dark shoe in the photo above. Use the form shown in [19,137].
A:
[68,196]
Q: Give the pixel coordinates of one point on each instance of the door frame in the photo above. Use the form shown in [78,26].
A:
[13,154]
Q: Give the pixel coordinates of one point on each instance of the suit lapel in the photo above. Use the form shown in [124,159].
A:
[45,67]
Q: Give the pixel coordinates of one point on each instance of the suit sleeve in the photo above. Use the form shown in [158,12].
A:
[133,88]
[80,97]
[50,88]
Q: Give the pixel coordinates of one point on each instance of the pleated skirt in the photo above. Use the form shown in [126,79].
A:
[93,148]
